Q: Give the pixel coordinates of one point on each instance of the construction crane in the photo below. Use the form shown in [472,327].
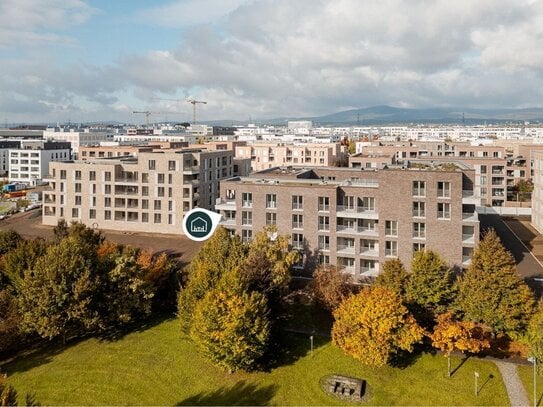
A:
[148,113]
[193,102]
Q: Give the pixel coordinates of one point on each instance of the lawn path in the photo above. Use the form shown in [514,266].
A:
[515,389]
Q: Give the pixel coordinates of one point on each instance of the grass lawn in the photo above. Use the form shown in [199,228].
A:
[160,366]
[526,374]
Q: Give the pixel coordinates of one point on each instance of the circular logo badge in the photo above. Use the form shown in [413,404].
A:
[199,224]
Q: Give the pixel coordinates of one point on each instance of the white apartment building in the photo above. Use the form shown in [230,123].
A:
[77,138]
[30,162]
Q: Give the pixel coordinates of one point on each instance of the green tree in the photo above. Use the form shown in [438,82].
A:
[60,231]
[231,327]
[56,297]
[23,257]
[373,325]
[10,319]
[430,288]
[393,277]
[534,336]
[491,292]
[219,255]
[330,286]
[9,239]
[450,335]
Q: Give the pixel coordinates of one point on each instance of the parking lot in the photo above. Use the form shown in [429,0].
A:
[28,224]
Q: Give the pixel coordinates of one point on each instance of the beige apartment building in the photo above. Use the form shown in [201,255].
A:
[268,155]
[116,150]
[357,219]
[537,195]
[497,168]
[150,193]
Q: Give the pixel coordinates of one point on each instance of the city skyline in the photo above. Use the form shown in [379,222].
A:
[97,60]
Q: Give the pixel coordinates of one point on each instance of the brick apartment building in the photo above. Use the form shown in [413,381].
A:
[150,193]
[358,219]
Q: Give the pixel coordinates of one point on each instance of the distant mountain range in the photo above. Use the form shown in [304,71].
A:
[381,115]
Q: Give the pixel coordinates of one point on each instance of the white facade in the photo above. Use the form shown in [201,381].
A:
[77,138]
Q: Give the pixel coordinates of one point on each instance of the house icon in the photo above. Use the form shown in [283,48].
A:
[198,225]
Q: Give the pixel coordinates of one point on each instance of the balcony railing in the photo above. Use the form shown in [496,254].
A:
[345,249]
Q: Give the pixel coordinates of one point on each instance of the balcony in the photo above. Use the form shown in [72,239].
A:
[468,197]
[191,170]
[356,212]
[470,217]
[228,223]
[369,271]
[345,249]
[126,180]
[225,204]
[367,252]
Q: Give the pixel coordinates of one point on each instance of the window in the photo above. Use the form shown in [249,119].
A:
[160,178]
[368,266]
[418,247]
[324,223]
[297,240]
[368,246]
[62,174]
[324,203]
[419,230]
[483,169]
[171,165]
[419,188]
[297,221]
[170,192]
[107,176]
[391,228]
[297,202]
[144,177]
[92,213]
[77,174]
[443,210]
[391,248]
[246,235]
[419,209]
[107,202]
[271,201]
[145,217]
[160,191]
[443,189]
[77,187]
[145,191]
[170,219]
[271,218]
[107,189]
[368,203]
[170,179]
[78,200]
[324,242]
[246,218]
[92,175]
[107,215]
[157,218]
[75,212]
[152,164]
[157,204]
[324,259]
[144,204]
[247,200]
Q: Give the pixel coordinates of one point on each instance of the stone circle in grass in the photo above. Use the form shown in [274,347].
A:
[346,388]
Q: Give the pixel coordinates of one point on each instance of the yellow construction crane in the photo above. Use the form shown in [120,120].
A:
[191,101]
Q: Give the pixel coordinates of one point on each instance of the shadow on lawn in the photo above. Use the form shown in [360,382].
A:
[115,334]
[240,394]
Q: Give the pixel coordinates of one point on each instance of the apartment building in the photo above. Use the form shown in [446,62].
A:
[268,155]
[29,163]
[5,146]
[537,194]
[77,138]
[358,219]
[149,193]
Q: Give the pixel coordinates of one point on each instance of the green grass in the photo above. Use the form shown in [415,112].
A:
[160,366]
[526,374]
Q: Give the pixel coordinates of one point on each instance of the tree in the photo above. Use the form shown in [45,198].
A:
[10,319]
[220,254]
[373,325]
[491,292]
[429,290]
[523,190]
[23,257]
[534,336]
[450,335]
[56,297]
[9,239]
[60,231]
[393,277]
[231,327]
[330,286]
[8,394]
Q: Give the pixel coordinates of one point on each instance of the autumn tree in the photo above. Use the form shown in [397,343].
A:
[450,335]
[231,327]
[534,336]
[393,277]
[430,288]
[491,292]
[373,325]
[220,254]
[21,258]
[55,297]
[9,239]
[330,286]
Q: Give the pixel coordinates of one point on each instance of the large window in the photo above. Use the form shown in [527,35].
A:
[443,189]
[419,209]
[391,248]
[271,201]
[324,223]
[246,235]
[443,210]
[324,203]
[247,200]
[419,230]
[419,188]
[271,218]
[246,218]
[297,202]
[297,240]
[391,228]
[324,242]
[297,221]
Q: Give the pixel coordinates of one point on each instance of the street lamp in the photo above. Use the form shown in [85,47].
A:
[311,339]
[476,374]
[533,360]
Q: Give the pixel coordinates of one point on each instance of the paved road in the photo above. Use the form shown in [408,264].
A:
[515,388]
[527,265]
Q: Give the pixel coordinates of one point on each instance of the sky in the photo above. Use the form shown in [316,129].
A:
[252,60]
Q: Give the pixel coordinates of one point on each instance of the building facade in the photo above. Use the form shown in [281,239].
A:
[150,193]
[357,219]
